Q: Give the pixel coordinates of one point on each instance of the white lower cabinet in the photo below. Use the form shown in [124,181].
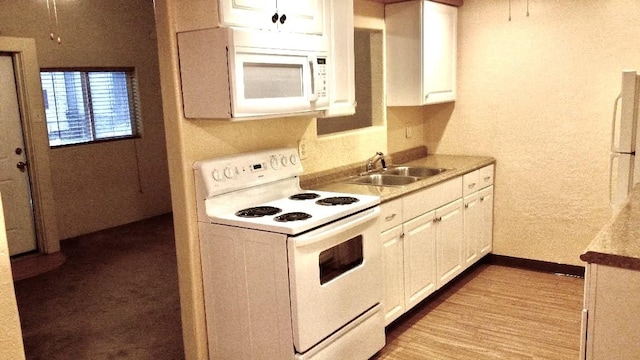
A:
[611,314]
[431,236]
[393,272]
[414,249]
[449,241]
[419,258]
[478,214]
[485,244]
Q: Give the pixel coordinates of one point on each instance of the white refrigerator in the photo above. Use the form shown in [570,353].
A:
[624,165]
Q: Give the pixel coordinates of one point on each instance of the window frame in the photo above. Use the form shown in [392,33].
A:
[135,112]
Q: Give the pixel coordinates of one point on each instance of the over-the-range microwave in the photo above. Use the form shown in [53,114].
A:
[234,74]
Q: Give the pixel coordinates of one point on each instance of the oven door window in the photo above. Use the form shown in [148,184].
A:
[339,259]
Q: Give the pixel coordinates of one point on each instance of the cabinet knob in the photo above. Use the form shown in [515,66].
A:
[283,18]
[466,206]
[274,18]
[22,166]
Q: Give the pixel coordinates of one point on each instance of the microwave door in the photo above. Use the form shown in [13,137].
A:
[267,84]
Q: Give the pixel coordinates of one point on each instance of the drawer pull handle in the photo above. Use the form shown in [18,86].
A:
[487,178]
[390,217]
[472,185]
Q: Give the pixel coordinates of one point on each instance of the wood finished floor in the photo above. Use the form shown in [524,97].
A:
[493,312]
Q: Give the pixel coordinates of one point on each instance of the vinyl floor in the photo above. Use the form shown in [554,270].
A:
[493,312]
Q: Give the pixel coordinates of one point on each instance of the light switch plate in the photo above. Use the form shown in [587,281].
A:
[302,149]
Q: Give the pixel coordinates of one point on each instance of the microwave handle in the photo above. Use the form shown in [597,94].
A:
[312,71]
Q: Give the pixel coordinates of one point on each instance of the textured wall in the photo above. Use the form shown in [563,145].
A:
[537,93]
[107,184]
[11,346]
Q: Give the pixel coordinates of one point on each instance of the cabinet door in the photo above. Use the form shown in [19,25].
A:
[339,29]
[449,235]
[419,246]
[439,33]
[472,228]
[248,13]
[392,272]
[485,244]
[302,16]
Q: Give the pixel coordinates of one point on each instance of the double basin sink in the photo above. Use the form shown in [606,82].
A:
[396,175]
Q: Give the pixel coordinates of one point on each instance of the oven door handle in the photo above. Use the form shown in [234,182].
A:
[341,226]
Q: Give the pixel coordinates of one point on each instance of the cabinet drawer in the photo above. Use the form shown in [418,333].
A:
[486,176]
[390,214]
[428,199]
[471,182]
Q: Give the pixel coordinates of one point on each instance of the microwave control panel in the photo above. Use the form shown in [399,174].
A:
[321,77]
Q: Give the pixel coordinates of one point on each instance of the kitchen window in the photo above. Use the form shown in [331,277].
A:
[85,106]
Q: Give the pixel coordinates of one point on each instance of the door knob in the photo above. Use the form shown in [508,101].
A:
[22,166]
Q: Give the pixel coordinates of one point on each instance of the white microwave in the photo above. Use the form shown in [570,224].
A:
[234,74]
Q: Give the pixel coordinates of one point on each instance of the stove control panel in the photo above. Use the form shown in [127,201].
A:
[241,171]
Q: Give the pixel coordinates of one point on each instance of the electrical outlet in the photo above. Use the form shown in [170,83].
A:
[408,131]
[302,149]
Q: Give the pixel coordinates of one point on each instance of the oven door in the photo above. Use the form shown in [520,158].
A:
[335,276]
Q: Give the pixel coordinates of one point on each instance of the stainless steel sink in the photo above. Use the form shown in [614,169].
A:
[421,172]
[383,179]
[396,175]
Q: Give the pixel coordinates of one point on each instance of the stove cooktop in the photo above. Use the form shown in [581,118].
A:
[261,191]
[295,213]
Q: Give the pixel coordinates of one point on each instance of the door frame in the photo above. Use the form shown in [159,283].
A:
[36,139]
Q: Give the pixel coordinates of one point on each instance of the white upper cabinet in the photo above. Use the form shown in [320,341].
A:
[421,53]
[339,28]
[298,16]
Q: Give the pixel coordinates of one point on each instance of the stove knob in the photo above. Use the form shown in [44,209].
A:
[216,175]
[284,161]
[274,163]
[228,173]
[293,159]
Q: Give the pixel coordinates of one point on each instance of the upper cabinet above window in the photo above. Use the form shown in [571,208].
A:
[421,53]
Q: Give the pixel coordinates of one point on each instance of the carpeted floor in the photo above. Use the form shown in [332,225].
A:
[115,297]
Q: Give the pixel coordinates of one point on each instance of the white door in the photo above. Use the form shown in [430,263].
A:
[419,259]
[14,175]
[472,227]
[449,241]
[393,274]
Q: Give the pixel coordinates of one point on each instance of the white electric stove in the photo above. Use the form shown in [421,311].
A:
[288,273]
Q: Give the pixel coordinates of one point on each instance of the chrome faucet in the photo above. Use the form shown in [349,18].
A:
[371,163]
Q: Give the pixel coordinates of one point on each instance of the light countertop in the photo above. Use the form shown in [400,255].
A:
[457,165]
[618,243]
